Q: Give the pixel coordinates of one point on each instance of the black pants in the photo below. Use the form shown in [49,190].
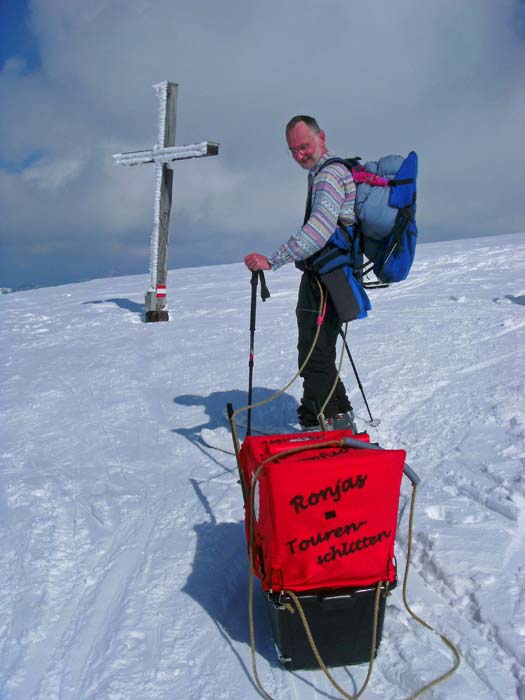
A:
[320,372]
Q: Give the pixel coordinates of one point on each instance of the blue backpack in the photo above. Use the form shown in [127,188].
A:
[385,233]
[386,213]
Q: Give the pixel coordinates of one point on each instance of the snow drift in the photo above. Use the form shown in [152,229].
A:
[123,560]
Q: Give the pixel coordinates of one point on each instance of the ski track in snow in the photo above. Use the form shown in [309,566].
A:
[123,559]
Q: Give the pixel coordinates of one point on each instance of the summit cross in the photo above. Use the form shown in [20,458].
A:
[164,155]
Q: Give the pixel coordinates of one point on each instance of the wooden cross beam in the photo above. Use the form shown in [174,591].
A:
[164,154]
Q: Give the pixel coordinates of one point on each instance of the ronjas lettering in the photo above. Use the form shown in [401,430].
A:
[329,493]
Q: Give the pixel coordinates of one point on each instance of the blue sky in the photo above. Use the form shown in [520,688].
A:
[17,43]
[76,83]
[15,37]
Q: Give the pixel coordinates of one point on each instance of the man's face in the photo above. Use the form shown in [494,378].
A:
[306,147]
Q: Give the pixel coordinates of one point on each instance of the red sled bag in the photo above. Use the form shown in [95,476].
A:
[325,515]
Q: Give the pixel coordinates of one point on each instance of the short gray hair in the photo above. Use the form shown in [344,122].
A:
[310,122]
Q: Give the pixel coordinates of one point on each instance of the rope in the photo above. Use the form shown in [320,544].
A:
[445,640]
[321,418]
[291,594]
[316,652]
[250,581]
[298,373]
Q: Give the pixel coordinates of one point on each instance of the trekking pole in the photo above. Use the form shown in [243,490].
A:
[373,422]
[256,274]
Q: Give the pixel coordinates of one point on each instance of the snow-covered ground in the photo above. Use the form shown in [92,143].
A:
[123,563]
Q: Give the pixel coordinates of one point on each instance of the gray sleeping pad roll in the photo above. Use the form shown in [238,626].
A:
[371,202]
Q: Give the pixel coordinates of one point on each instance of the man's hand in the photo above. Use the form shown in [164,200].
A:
[256,261]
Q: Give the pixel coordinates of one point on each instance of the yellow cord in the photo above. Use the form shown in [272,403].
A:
[445,640]
[316,651]
[297,374]
[257,473]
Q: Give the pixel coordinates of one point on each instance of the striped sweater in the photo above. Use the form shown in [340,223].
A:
[333,198]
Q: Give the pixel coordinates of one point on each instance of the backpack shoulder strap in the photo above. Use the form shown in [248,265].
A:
[350,163]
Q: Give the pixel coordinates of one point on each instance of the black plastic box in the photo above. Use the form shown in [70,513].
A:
[341,622]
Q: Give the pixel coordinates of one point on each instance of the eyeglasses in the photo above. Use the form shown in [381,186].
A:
[303,148]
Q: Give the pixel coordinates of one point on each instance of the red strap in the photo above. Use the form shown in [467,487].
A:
[320,318]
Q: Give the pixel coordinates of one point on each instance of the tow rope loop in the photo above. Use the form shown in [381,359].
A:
[445,640]
[251,548]
[291,594]
[318,658]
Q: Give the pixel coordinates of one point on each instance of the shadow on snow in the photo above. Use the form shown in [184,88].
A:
[126,304]
[278,413]
[219,584]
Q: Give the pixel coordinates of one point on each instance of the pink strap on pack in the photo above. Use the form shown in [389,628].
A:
[320,319]
[362,176]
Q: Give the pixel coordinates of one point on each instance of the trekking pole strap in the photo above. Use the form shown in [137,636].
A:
[265,292]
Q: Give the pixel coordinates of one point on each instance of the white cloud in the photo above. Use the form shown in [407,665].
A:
[13,66]
[51,175]
[381,77]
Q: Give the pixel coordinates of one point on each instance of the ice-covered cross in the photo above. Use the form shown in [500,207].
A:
[164,154]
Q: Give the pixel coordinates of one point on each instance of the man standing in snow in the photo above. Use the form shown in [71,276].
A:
[332,199]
